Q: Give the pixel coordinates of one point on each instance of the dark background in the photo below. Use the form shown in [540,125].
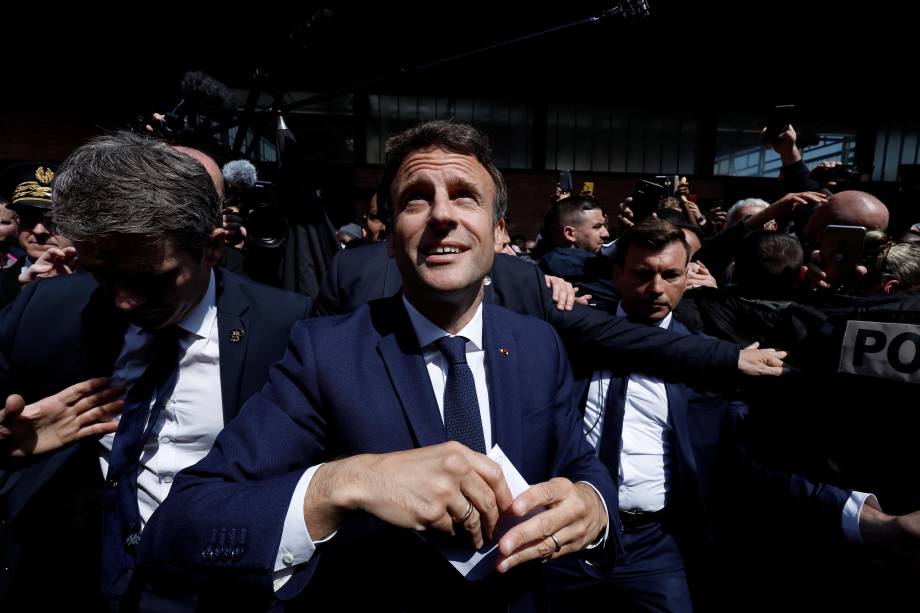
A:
[69,72]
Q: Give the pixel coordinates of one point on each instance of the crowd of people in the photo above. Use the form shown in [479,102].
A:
[652,408]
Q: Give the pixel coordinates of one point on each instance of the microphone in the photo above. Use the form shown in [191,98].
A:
[240,173]
[200,92]
[205,92]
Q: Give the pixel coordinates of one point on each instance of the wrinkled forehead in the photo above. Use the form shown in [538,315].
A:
[436,165]
[435,158]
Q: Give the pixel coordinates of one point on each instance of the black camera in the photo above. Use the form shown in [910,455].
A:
[647,194]
[264,219]
[839,176]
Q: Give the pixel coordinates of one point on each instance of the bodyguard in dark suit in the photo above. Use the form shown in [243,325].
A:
[679,458]
[408,393]
[152,263]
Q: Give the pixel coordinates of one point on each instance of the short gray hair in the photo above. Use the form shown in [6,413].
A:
[124,184]
[901,261]
[733,215]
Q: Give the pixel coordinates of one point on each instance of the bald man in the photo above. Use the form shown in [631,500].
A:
[209,164]
[847,208]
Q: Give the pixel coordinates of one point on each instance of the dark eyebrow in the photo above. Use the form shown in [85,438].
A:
[453,182]
[467,184]
[413,183]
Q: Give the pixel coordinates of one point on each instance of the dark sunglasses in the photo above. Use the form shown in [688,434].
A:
[31,217]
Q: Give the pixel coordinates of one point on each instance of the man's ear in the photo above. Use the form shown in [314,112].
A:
[568,233]
[214,248]
[498,234]
[890,286]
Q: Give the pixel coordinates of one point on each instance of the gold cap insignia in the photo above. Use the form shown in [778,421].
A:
[44,175]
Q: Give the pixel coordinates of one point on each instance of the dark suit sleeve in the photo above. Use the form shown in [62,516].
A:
[575,458]
[227,512]
[10,317]
[329,302]
[19,478]
[595,339]
[44,501]
[805,501]
[519,286]
[796,177]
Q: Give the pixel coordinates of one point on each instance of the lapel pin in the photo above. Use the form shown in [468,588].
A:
[236,335]
[487,280]
[504,351]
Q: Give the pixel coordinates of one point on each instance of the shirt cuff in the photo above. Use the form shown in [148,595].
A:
[296,545]
[850,516]
[602,539]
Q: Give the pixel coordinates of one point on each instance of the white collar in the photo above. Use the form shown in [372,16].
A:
[427,332]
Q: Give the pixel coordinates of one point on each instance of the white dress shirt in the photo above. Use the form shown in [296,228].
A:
[645,447]
[192,417]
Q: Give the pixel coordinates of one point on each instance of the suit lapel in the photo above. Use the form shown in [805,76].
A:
[392,280]
[488,289]
[501,363]
[402,358]
[677,412]
[233,332]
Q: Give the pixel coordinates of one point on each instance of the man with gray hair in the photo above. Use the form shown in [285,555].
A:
[746,208]
[189,343]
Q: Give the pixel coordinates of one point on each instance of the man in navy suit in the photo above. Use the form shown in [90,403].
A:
[675,453]
[152,261]
[591,336]
[373,429]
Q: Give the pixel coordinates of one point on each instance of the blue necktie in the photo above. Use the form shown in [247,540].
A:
[121,519]
[612,431]
[462,422]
